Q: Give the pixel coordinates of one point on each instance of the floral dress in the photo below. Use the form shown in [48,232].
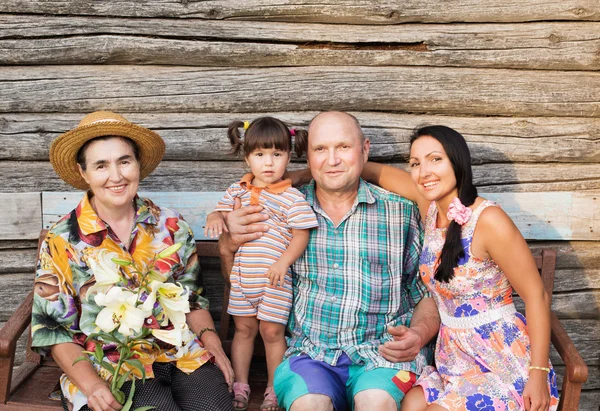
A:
[483,350]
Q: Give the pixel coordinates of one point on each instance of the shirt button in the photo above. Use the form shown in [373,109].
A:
[333,299]
[336,265]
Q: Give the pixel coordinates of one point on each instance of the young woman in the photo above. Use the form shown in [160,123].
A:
[488,356]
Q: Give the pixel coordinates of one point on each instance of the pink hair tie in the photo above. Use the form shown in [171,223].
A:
[458,212]
[293,132]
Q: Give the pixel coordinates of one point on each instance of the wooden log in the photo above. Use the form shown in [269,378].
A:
[402,89]
[27,206]
[589,400]
[217,176]
[332,11]
[191,136]
[581,304]
[556,216]
[18,260]
[40,40]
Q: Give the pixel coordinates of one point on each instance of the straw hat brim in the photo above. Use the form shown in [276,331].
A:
[64,149]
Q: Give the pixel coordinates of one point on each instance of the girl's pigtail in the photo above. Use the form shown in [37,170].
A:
[301,142]
[235,138]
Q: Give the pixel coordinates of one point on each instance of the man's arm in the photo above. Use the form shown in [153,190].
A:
[408,341]
[243,225]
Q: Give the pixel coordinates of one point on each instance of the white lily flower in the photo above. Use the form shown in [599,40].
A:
[173,299]
[106,272]
[180,338]
[120,311]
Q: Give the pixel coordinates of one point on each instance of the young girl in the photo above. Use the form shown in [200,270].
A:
[488,356]
[261,285]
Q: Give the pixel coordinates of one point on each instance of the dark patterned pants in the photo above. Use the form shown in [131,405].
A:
[173,390]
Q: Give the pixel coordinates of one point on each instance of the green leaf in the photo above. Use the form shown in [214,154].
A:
[121,262]
[169,250]
[144,408]
[108,366]
[137,364]
[99,353]
[123,378]
[82,358]
[119,396]
[129,403]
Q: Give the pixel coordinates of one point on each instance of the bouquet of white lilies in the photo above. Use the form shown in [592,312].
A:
[133,308]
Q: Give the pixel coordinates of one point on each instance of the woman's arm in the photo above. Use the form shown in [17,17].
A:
[199,320]
[84,376]
[504,243]
[397,181]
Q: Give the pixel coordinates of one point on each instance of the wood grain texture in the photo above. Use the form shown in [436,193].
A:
[331,11]
[539,216]
[217,176]
[22,213]
[40,40]
[203,136]
[401,89]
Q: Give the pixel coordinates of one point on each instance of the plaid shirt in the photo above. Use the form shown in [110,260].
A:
[356,279]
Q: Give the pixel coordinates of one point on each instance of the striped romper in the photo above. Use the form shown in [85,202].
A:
[251,294]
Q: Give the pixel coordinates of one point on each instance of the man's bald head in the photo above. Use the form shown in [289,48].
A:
[348,120]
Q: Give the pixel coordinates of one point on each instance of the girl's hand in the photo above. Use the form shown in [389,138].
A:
[536,395]
[215,225]
[277,274]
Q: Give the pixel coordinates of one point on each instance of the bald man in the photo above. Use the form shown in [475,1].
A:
[362,319]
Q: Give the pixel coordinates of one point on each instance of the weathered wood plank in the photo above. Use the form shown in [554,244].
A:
[14,288]
[401,89]
[22,215]
[217,176]
[192,136]
[573,305]
[74,40]
[18,260]
[573,254]
[546,216]
[331,11]
[589,400]
[194,206]
[593,382]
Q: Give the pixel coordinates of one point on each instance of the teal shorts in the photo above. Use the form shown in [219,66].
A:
[301,375]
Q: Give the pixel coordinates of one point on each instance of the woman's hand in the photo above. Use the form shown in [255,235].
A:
[100,398]
[212,343]
[536,395]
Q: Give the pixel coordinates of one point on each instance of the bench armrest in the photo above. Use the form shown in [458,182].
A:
[9,335]
[576,372]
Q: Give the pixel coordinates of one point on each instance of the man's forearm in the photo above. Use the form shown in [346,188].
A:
[426,320]
[226,254]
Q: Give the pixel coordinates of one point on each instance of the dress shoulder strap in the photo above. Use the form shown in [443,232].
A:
[469,228]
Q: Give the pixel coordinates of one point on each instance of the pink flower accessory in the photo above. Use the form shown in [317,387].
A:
[458,212]
[293,132]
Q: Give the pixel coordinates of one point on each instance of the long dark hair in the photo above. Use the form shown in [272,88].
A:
[264,132]
[458,153]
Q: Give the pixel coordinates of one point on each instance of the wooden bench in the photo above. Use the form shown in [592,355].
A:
[27,387]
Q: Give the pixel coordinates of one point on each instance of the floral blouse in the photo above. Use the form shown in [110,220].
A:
[79,241]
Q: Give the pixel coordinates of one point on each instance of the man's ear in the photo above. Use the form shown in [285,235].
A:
[366,149]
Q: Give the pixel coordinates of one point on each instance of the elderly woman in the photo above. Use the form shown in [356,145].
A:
[112,243]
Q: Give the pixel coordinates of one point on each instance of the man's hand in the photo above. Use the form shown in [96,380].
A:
[244,224]
[101,399]
[404,347]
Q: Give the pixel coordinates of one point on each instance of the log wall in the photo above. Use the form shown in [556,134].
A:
[520,79]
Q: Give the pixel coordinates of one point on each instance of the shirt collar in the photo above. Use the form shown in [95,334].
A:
[364,194]
[89,222]
[277,188]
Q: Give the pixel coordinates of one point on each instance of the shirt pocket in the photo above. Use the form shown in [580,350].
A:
[380,287]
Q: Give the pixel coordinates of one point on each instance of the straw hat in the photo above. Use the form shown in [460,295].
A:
[63,151]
